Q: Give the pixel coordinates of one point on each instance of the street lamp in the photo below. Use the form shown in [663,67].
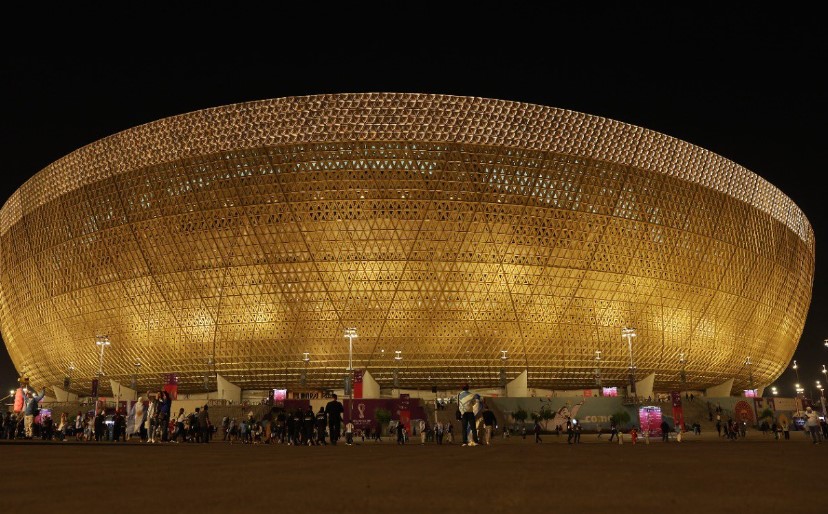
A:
[134,382]
[503,359]
[303,378]
[397,359]
[351,334]
[102,342]
[774,391]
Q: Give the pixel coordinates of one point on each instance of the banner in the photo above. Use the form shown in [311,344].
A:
[358,383]
[678,410]
[134,418]
[650,420]
[405,411]
[171,387]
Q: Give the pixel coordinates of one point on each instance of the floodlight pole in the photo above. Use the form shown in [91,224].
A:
[628,333]
[351,333]
[102,342]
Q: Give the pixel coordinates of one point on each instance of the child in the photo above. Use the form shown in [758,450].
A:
[349,433]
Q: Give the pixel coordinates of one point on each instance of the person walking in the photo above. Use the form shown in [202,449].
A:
[665,431]
[812,424]
[577,431]
[334,410]
[537,430]
[449,432]
[465,403]
[320,427]
[613,430]
[400,433]
[570,432]
[489,423]
[179,427]
[349,433]
[421,426]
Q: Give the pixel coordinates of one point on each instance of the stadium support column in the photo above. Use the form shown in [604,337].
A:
[122,392]
[519,387]
[370,387]
[720,391]
[644,387]
[228,391]
[64,396]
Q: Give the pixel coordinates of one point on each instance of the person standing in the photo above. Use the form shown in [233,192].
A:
[31,410]
[450,432]
[665,431]
[570,432]
[204,425]
[79,426]
[537,431]
[466,402]
[99,426]
[811,423]
[577,428]
[334,410]
[489,423]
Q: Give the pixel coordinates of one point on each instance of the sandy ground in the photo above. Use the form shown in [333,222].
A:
[700,476]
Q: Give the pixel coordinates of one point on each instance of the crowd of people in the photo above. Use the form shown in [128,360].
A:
[153,423]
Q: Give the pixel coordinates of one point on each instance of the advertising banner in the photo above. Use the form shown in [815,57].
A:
[650,420]
[405,411]
[358,383]
[678,410]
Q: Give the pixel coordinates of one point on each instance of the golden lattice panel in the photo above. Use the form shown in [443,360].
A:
[235,239]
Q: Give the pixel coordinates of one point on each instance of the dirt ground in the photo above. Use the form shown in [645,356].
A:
[699,476]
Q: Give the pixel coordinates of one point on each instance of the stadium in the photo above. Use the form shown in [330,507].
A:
[466,240]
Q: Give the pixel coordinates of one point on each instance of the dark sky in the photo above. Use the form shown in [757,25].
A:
[747,85]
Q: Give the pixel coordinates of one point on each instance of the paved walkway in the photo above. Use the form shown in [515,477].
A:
[695,476]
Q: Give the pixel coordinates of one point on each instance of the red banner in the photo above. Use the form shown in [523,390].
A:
[405,412]
[358,383]
[678,410]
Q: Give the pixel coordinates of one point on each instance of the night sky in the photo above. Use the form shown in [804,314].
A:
[746,85]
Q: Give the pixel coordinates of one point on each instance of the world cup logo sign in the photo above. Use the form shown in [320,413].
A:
[361,409]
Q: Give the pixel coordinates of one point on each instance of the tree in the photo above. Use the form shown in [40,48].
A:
[620,418]
[766,414]
[536,417]
[520,415]
[546,415]
[383,417]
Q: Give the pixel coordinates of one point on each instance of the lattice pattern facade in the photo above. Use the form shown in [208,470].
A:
[234,239]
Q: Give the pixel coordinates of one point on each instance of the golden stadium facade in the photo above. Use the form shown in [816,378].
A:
[235,239]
